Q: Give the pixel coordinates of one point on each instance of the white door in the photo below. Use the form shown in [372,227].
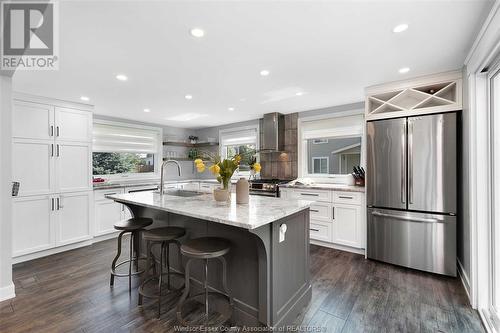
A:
[33,166]
[73,213]
[107,212]
[347,225]
[32,224]
[73,166]
[73,125]
[32,121]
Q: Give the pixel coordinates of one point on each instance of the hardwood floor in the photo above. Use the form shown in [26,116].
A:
[69,292]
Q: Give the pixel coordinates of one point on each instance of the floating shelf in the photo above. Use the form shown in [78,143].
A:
[409,99]
[191,145]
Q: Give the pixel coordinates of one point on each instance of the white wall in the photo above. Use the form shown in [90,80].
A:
[6,285]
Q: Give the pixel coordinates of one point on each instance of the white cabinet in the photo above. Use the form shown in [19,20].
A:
[107,212]
[32,224]
[46,221]
[73,162]
[32,120]
[33,166]
[336,217]
[347,225]
[73,125]
[73,214]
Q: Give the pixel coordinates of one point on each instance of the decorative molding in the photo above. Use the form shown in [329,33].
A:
[7,292]
[51,101]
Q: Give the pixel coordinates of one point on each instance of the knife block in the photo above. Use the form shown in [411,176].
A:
[359,182]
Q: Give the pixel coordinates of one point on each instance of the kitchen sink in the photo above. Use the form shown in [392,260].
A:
[182,193]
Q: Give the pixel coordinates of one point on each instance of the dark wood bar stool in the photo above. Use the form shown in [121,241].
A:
[163,237]
[134,226]
[206,248]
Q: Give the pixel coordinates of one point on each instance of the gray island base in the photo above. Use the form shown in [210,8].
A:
[268,278]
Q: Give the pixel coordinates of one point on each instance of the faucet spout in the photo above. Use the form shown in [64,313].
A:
[163,165]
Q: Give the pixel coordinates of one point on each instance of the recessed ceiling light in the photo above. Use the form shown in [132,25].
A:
[404,70]
[230,108]
[400,28]
[188,97]
[85,98]
[121,77]
[264,72]
[300,93]
[147,110]
[197,32]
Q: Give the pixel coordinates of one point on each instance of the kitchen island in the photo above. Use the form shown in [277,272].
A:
[268,267]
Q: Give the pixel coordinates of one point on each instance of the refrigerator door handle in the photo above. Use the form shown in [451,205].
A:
[407,218]
[403,147]
[410,161]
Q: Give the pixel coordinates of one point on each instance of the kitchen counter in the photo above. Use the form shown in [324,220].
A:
[323,186]
[268,263]
[146,182]
[258,212]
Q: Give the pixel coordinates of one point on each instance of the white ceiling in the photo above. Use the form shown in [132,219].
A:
[328,50]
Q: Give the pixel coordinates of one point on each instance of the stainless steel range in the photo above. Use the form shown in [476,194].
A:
[266,187]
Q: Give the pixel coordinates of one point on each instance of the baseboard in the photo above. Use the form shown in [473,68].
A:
[7,292]
[105,237]
[44,253]
[338,247]
[464,278]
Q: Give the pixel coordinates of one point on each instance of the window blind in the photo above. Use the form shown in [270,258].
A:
[239,137]
[332,127]
[115,138]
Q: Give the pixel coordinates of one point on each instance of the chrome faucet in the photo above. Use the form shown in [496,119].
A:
[163,168]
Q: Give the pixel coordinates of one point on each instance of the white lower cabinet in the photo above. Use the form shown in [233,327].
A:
[107,212]
[73,213]
[347,225]
[336,217]
[47,221]
[32,224]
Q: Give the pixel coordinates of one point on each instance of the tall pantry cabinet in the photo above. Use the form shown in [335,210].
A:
[52,161]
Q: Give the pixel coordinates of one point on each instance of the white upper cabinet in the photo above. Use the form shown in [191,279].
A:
[33,166]
[73,217]
[73,125]
[73,162]
[33,121]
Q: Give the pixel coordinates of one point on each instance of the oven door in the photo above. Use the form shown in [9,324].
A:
[264,193]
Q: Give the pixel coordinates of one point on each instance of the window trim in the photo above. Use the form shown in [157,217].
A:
[237,174]
[321,158]
[158,155]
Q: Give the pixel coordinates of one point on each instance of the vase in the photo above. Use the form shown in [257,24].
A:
[221,194]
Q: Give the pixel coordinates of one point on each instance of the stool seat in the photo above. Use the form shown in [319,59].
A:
[134,223]
[163,234]
[206,247]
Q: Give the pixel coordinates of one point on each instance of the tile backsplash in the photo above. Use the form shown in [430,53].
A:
[282,165]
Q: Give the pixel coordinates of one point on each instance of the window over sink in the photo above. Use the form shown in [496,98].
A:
[125,150]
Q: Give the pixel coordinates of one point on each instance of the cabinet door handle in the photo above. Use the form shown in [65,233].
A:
[57,130]
[57,150]
[345,197]
[52,203]
[310,194]
[58,203]
[314,210]
[314,229]
[52,150]
[51,130]
[333,213]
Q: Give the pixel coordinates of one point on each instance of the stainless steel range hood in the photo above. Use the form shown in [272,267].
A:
[273,133]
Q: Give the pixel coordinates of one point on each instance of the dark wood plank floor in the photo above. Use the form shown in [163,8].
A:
[69,292]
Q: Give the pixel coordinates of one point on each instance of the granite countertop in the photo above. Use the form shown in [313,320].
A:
[323,186]
[258,212]
[146,182]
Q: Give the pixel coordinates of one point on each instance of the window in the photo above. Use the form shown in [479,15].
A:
[320,164]
[330,147]
[123,149]
[243,141]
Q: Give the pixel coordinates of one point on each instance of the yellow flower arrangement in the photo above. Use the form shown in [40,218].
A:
[222,169]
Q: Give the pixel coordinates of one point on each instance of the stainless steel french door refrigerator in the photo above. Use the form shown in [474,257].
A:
[412,191]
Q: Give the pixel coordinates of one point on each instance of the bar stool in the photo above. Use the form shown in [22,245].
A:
[134,226]
[163,237]
[205,248]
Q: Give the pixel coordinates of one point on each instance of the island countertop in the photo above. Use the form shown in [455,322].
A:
[258,212]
